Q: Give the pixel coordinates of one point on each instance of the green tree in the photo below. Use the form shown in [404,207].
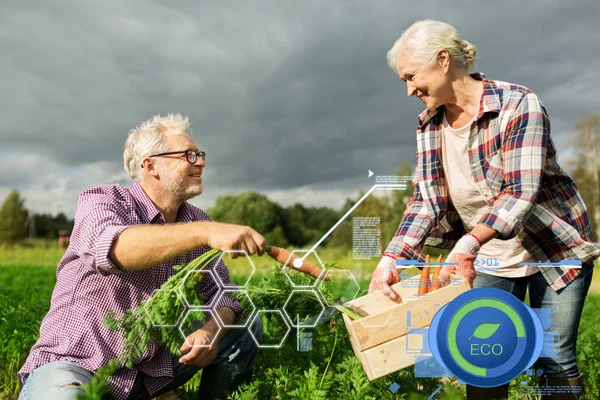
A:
[388,205]
[584,180]
[587,172]
[47,225]
[399,198]
[398,201]
[276,237]
[254,210]
[341,237]
[294,221]
[318,221]
[13,219]
[306,225]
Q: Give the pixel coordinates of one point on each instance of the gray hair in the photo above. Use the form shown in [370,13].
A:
[424,39]
[147,138]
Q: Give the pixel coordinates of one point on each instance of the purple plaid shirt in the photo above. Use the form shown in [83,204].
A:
[88,285]
[513,163]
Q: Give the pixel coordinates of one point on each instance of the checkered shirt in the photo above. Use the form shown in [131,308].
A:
[514,165]
[88,285]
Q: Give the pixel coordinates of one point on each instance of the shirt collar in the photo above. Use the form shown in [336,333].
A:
[490,101]
[149,210]
[144,204]
[184,214]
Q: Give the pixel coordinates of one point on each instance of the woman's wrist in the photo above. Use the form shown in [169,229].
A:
[476,238]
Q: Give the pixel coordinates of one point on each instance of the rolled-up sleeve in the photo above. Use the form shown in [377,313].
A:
[524,154]
[410,237]
[226,301]
[98,223]
[414,227]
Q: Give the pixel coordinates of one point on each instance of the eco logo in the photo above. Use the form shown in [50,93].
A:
[486,337]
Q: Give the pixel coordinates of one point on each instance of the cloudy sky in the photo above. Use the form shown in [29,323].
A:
[290,98]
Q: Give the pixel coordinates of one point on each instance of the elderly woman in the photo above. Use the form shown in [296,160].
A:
[488,185]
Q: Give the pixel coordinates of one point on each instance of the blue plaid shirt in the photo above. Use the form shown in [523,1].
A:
[514,165]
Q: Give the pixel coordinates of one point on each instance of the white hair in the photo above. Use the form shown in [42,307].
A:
[147,139]
[424,39]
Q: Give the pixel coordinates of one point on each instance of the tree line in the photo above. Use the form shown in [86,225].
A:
[17,223]
[296,225]
[299,226]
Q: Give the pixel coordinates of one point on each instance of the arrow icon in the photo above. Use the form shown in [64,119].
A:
[370,173]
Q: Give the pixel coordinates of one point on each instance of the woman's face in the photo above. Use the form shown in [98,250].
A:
[429,83]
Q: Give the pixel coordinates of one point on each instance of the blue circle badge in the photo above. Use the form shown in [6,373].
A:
[486,337]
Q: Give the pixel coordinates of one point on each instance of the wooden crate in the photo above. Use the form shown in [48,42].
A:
[380,338]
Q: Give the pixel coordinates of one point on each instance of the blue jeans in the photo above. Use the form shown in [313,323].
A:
[61,379]
[566,306]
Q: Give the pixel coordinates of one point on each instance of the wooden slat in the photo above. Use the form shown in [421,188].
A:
[377,302]
[394,322]
[356,346]
[409,288]
[390,324]
[389,357]
[379,339]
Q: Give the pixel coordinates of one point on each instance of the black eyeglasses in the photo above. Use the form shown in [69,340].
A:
[190,155]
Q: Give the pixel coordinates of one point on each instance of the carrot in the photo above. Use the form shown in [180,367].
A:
[282,256]
[435,282]
[424,281]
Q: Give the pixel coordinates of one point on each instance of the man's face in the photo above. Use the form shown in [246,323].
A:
[429,83]
[179,177]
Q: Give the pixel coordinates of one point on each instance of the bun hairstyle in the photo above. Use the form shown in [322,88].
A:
[469,52]
[424,39]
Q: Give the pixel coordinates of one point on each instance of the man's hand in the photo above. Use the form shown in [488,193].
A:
[222,236]
[464,253]
[195,348]
[196,355]
[385,275]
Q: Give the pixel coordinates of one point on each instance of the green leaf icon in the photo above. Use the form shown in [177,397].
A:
[485,330]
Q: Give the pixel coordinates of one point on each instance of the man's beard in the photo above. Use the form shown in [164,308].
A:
[175,184]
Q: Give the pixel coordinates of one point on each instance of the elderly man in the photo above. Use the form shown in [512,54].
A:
[124,243]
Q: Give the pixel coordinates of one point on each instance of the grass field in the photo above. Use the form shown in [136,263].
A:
[329,370]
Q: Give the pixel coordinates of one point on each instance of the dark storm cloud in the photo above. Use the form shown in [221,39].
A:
[284,96]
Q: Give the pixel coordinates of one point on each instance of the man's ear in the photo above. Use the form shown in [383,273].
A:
[148,166]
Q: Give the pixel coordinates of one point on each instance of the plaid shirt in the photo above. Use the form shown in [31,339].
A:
[88,285]
[514,165]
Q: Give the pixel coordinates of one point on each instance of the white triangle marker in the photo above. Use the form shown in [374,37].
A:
[370,173]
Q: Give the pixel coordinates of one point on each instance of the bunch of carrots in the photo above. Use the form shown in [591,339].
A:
[427,285]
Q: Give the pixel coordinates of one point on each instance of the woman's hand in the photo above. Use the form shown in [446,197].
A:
[385,275]
[464,253]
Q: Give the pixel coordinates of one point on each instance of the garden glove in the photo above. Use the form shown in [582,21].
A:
[385,275]
[464,253]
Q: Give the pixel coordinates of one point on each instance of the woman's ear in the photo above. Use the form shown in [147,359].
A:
[444,60]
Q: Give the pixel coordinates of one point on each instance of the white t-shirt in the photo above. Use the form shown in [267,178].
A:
[496,257]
